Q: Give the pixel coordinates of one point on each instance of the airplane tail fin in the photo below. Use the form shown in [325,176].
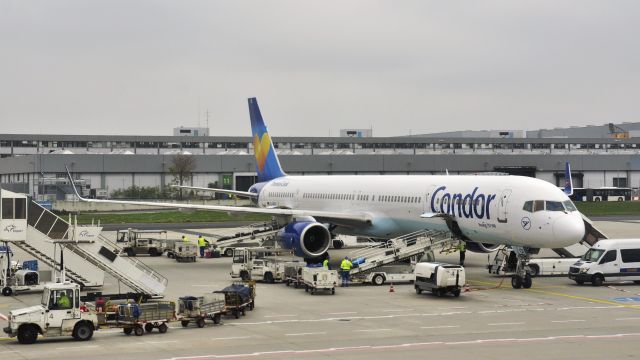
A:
[568,183]
[267,163]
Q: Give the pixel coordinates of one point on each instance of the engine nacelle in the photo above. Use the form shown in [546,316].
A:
[307,239]
[481,247]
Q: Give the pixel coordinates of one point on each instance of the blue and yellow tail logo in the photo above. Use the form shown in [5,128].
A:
[267,164]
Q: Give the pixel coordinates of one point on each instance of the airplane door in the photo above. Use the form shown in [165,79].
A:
[427,200]
[502,205]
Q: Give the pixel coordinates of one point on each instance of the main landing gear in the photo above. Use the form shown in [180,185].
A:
[522,276]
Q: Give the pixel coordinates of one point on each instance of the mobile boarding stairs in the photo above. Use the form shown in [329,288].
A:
[89,254]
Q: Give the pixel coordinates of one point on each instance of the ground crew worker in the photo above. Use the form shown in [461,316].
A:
[345,266]
[202,244]
[463,250]
[134,309]
[185,239]
[325,263]
[63,301]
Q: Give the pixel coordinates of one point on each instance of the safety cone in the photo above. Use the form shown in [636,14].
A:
[391,289]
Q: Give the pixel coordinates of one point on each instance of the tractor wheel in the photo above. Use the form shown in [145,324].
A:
[27,334]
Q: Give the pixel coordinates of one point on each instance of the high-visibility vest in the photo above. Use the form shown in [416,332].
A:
[346,265]
[64,302]
[461,247]
[325,263]
[202,242]
[185,239]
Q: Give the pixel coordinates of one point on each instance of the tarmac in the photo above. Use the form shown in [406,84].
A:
[555,319]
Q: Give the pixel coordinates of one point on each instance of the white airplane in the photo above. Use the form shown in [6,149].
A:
[485,211]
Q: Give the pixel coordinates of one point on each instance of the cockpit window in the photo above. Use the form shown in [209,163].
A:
[528,206]
[568,204]
[554,206]
[538,205]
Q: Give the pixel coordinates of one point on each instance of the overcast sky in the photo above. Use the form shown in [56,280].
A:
[145,67]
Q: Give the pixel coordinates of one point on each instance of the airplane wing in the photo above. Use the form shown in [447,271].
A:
[224,191]
[328,216]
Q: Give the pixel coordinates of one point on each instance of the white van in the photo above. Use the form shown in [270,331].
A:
[609,260]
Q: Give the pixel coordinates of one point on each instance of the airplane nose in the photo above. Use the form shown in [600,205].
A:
[568,230]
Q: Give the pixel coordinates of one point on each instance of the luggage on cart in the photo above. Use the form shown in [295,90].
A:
[239,296]
[199,309]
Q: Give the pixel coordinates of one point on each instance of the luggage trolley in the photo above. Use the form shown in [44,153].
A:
[199,309]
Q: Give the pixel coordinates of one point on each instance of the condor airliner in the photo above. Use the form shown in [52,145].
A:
[485,211]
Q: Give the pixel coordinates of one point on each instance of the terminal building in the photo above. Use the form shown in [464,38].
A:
[35,164]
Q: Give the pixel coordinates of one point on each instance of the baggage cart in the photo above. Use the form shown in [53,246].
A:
[293,274]
[199,309]
[238,297]
[185,252]
[319,278]
[138,318]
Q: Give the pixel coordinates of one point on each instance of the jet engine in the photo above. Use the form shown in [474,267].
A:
[308,239]
[481,247]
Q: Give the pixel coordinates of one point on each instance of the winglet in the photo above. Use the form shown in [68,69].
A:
[267,163]
[568,182]
[73,184]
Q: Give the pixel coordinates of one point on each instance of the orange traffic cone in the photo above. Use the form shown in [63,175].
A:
[391,289]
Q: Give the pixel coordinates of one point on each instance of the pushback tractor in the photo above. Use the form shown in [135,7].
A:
[57,315]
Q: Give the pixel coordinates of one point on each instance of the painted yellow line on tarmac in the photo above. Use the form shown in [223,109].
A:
[576,297]
[637,307]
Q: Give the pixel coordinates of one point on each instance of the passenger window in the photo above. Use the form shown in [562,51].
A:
[610,256]
[21,208]
[528,206]
[538,205]
[630,255]
[7,208]
[554,206]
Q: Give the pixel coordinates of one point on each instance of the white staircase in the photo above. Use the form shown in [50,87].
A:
[130,271]
[87,254]
[400,248]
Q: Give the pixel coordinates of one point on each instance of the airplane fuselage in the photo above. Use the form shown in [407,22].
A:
[485,209]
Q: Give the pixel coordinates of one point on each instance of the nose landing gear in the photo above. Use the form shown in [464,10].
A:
[522,276]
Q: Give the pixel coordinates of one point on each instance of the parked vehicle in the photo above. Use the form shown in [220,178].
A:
[258,264]
[319,278]
[504,263]
[184,252]
[439,278]
[54,317]
[386,274]
[148,316]
[608,260]
[293,274]
[199,309]
[142,242]
[239,296]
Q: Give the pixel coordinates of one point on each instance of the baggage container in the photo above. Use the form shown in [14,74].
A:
[439,278]
[319,278]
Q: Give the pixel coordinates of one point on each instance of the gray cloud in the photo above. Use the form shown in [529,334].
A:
[144,67]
